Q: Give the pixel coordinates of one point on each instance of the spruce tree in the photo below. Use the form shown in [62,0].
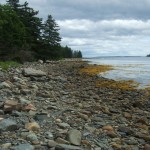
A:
[14,4]
[12,31]
[50,32]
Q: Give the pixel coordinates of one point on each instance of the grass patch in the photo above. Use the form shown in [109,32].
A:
[5,65]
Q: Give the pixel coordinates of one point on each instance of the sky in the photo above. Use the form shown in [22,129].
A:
[100,27]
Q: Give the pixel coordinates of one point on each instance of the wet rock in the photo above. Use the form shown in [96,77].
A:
[8,125]
[33,72]
[74,137]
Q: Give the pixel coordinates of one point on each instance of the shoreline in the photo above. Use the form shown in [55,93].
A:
[136,70]
[62,107]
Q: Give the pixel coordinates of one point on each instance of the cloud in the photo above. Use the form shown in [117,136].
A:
[105,26]
[99,9]
[107,37]
[100,27]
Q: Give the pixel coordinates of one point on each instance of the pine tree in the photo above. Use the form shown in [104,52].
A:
[50,32]
[32,23]
[12,31]
[79,54]
[14,4]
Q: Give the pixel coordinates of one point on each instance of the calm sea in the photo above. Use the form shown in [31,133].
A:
[126,68]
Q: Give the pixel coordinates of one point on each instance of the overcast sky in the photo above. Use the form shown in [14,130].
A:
[100,27]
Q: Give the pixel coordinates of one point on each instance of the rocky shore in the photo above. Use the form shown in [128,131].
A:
[53,106]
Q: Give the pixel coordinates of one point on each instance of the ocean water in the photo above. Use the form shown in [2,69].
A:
[126,68]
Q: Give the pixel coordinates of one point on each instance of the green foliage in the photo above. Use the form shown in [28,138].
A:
[12,30]
[7,64]
[23,37]
[77,54]
[50,32]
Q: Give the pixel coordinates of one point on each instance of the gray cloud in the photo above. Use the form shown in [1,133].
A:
[100,27]
[99,9]
[93,10]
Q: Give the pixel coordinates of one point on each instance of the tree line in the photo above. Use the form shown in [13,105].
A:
[25,37]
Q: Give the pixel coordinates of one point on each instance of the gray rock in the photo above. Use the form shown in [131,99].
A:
[40,61]
[24,147]
[32,137]
[33,72]
[25,91]
[1,112]
[66,147]
[8,125]
[52,143]
[24,101]
[49,135]
[63,125]
[17,113]
[16,79]
[74,137]
[4,85]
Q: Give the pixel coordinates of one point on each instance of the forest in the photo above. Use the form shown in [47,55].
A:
[26,37]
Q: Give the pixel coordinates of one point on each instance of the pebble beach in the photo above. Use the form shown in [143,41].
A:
[57,105]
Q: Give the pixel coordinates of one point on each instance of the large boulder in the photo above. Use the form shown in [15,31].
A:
[33,72]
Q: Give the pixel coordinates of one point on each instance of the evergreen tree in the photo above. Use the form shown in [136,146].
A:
[79,54]
[14,4]
[50,32]
[12,31]
[32,23]
[22,34]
